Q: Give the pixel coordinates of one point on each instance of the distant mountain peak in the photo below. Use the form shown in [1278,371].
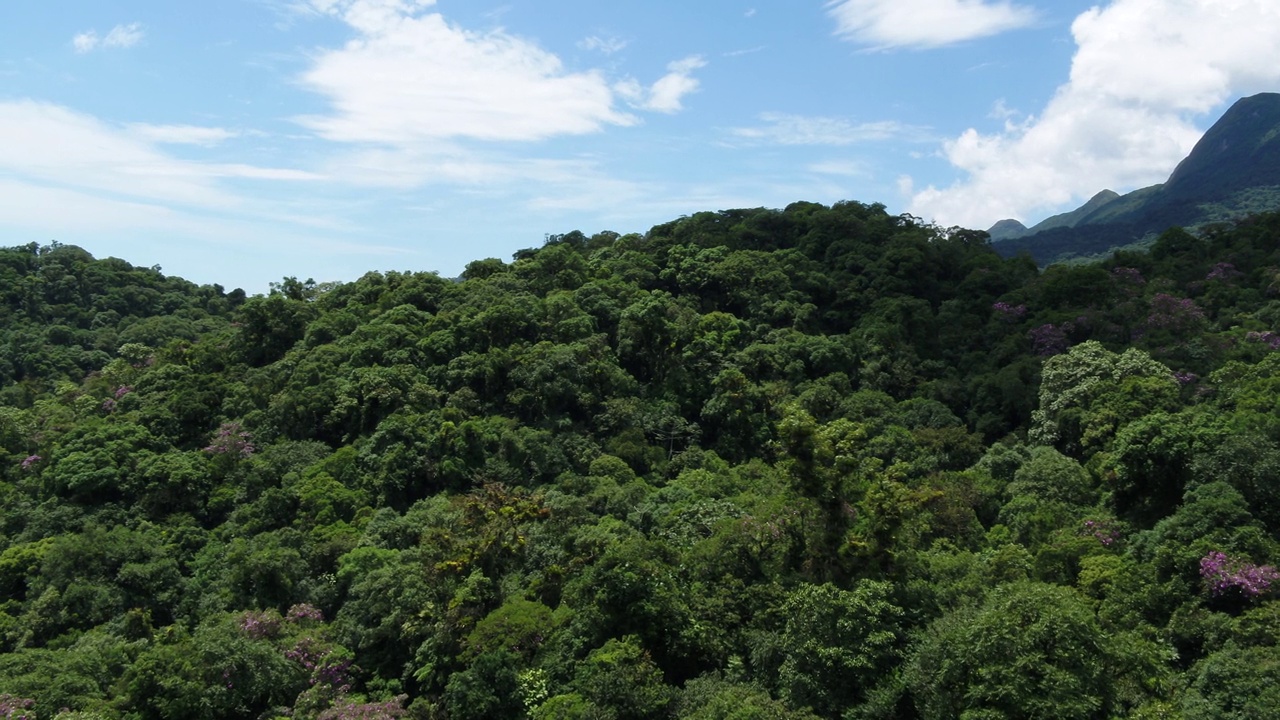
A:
[1008,228]
[1233,171]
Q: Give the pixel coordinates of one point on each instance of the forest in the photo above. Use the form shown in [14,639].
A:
[817,462]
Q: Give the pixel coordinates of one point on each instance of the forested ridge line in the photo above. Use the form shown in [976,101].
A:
[814,462]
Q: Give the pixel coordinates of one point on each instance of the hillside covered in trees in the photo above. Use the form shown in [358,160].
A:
[820,462]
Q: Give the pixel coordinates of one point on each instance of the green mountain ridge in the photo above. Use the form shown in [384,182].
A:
[1233,171]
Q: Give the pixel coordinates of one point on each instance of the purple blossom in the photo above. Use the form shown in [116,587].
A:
[122,391]
[1185,377]
[231,440]
[1224,574]
[304,611]
[259,625]
[1102,531]
[1266,337]
[1173,313]
[1011,312]
[30,461]
[317,660]
[1050,339]
[1128,275]
[16,708]
[1223,271]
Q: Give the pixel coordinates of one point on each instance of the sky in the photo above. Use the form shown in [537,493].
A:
[242,141]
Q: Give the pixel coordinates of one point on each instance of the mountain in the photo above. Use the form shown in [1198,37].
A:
[1232,172]
[1007,229]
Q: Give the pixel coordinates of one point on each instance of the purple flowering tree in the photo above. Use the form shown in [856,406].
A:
[1128,276]
[231,441]
[1223,271]
[1225,575]
[109,405]
[1266,337]
[16,708]
[304,612]
[1174,313]
[259,624]
[1050,339]
[1101,530]
[1007,311]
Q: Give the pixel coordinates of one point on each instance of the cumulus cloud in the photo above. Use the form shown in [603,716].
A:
[787,129]
[667,94]
[120,36]
[410,76]
[1144,73]
[884,24]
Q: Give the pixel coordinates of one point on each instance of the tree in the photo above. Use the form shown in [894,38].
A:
[835,646]
[1031,651]
[621,677]
[1087,394]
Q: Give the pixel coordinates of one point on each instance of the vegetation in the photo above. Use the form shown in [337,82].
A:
[822,462]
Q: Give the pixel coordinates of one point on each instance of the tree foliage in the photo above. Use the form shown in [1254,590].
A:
[812,462]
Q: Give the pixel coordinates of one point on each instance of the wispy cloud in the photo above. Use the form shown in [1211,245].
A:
[667,94]
[56,146]
[182,134]
[120,36]
[1142,72]
[786,129]
[840,168]
[920,24]
[606,45]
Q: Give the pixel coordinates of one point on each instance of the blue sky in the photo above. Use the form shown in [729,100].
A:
[240,141]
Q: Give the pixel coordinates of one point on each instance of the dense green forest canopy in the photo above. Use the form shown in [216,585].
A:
[820,462]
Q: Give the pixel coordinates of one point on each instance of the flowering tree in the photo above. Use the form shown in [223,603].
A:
[1104,531]
[1049,339]
[1224,574]
[1174,313]
[16,708]
[1266,337]
[232,441]
[1008,311]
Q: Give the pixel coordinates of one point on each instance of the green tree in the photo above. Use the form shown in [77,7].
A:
[1031,651]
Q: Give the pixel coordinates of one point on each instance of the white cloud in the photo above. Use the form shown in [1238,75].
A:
[1143,71]
[884,24]
[842,168]
[667,94]
[120,36]
[51,145]
[786,129]
[412,77]
[182,134]
[606,45]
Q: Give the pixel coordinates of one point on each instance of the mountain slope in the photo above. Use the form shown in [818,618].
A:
[1232,172]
